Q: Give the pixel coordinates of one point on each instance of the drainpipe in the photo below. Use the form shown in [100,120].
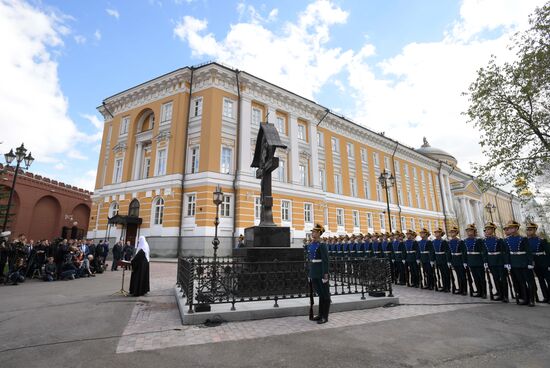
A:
[396,192]
[106,109]
[441,195]
[237,156]
[185,160]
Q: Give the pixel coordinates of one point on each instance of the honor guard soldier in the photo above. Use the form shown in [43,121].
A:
[476,261]
[353,246]
[442,260]
[345,245]
[412,258]
[541,254]
[495,248]
[427,258]
[376,247]
[360,246]
[318,272]
[367,245]
[339,246]
[520,262]
[458,260]
[397,258]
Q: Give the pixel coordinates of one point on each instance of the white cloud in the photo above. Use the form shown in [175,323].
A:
[79,39]
[59,166]
[113,13]
[94,120]
[97,34]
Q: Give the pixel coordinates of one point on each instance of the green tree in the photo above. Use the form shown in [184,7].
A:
[510,104]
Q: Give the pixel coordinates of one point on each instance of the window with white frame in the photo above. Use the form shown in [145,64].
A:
[393,222]
[356,222]
[349,150]
[406,170]
[413,224]
[166,113]
[325,215]
[124,124]
[378,192]
[353,187]
[303,174]
[113,209]
[340,216]
[421,223]
[227,108]
[409,197]
[285,211]
[363,155]
[197,106]
[256,116]
[337,184]
[158,211]
[320,139]
[257,207]
[281,171]
[322,179]
[280,125]
[161,162]
[376,159]
[117,173]
[387,164]
[335,145]
[370,222]
[417,199]
[382,219]
[226,160]
[225,209]
[366,188]
[191,205]
[415,176]
[302,132]
[308,213]
[146,168]
[194,158]
[403,223]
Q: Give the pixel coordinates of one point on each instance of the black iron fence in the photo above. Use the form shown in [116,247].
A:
[204,281]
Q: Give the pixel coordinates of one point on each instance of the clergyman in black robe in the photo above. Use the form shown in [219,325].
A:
[139,282]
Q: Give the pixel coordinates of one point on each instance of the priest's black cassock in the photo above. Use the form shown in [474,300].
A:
[139,282]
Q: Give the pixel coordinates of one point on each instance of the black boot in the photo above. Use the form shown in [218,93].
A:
[326,309]
[319,316]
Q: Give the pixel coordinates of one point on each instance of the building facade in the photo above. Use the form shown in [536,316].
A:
[169,142]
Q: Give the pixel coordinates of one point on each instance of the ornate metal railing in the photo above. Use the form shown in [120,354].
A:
[204,281]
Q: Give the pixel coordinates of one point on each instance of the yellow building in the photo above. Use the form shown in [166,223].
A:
[167,143]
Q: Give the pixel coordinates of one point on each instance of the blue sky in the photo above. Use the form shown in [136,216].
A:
[394,66]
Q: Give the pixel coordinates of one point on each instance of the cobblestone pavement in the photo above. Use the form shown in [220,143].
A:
[155,322]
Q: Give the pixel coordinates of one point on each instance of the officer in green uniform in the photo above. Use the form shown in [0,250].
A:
[442,259]
[495,259]
[476,260]
[458,260]
[541,254]
[427,258]
[412,257]
[520,262]
[318,272]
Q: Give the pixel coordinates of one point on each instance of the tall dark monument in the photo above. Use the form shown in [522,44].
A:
[267,241]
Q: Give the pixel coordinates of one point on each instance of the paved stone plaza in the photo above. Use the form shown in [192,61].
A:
[79,323]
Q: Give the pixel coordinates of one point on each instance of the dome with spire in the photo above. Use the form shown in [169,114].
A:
[436,153]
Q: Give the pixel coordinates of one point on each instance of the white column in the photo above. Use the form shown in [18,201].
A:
[443,192]
[471,218]
[244,137]
[478,219]
[294,159]
[449,193]
[314,164]
[465,212]
[137,160]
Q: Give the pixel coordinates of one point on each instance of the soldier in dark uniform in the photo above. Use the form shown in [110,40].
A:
[541,254]
[412,257]
[330,246]
[458,260]
[397,258]
[366,246]
[427,258]
[318,272]
[375,247]
[476,260]
[442,259]
[520,262]
[495,259]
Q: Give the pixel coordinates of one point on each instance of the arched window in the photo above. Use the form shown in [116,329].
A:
[133,211]
[113,209]
[158,211]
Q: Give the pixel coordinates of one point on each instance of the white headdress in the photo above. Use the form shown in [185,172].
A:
[143,245]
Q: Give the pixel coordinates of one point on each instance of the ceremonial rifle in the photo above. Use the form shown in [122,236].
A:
[512,293]
[491,294]
[453,286]
[470,282]
[310,301]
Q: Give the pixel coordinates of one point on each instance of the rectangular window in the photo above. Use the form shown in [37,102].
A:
[256,117]
[225,210]
[302,132]
[376,159]
[335,145]
[308,213]
[161,162]
[413,224]
[146,168]
[356,222]
[409,197]
[393,223]
[349,150]
[280,124]
[194,166]
[117,175]
[257,207]
[340,217]
[382,219]
[303,175]
[417,199]
[387,164]
[363,155]
[322,179]
[227,108]
[403,223]
[406,170]
[353,187]
[378,192]
[337,184]
[366,187]
[166,113]
[415,177]
[197,107]
[125,122]
[285,211]
[191,205]
[370,222]
[320,140]
[281,171]
[226,160]
[421,222]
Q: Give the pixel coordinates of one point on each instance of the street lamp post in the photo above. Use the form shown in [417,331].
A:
[490,208]
[217,199]
[19,156]
[387,181]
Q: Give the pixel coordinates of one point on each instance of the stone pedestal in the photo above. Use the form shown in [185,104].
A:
[266,237]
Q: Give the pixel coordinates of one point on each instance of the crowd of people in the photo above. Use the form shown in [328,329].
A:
[60,259]
[474,265]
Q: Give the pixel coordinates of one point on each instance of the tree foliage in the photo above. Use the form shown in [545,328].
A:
[510,104]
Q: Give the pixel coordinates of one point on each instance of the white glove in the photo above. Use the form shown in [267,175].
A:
[324,281]
[485,265]
[432,263]
[508,267]
[449,264]
[417,261]
[405,262]
[548,268]
[393,261]
[465,265]
[309,279]
[530,267]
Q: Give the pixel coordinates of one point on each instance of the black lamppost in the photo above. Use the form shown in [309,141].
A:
[19,156]
[490,208]
[387,181]
[218,199]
